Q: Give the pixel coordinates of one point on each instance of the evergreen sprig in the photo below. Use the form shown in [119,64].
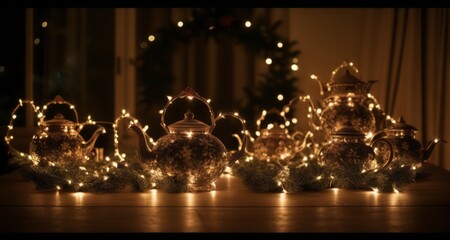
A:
[71,176]
[299,176]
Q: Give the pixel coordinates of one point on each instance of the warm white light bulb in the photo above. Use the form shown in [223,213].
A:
[280,97]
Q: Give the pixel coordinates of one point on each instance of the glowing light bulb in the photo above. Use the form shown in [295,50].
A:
[248,24]
[280,97]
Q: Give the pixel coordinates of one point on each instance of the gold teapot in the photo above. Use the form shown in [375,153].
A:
[401,138]
[58,139]
[189,152]
[345,100]
[347,150]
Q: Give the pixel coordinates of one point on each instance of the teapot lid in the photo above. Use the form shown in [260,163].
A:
[348,131]
[275,130]
[188,124]
[402,125]
[58,119]
[347,79]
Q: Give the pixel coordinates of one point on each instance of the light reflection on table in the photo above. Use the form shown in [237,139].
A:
[422,206]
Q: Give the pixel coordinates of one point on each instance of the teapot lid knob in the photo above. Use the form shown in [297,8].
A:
[189,115]
[402,125]
[58,99]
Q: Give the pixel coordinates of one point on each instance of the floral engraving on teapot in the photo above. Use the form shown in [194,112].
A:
[189,152]
[348,151]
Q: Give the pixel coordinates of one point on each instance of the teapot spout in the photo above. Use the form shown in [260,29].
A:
[145,152]
[248,145]
[323,90]
[91,142]
[369,85]
[430,147]
[301,146]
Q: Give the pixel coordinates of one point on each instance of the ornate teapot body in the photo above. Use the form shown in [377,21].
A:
[401,138]
[59,139]
[189,152]
[348,151]
[344,100]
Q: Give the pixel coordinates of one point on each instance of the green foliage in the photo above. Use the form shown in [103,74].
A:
[91,176]
[258,176]
[299,176]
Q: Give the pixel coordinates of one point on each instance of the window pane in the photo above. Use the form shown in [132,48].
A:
[74,58]
[12,61]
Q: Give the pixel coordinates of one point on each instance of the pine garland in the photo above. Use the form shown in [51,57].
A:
[91,176]
[258,176]
[299,176]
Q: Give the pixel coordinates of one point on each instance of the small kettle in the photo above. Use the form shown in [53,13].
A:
[344,100]
[59,139]
[401,138]
[347,150]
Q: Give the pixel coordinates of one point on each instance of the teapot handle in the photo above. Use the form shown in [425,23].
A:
[243,143]
[190,94]
[390,147]
[8,137]
[59,100]
[132,121]
[313,113]
[264,113]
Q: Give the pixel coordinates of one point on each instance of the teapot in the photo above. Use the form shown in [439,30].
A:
[347,150]
[401,138]
[59,139]
[275,142]
[189,152]
[345,100]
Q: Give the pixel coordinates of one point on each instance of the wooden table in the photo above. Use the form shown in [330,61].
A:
[424,206]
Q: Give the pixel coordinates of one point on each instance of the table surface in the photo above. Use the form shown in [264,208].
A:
[423,206]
